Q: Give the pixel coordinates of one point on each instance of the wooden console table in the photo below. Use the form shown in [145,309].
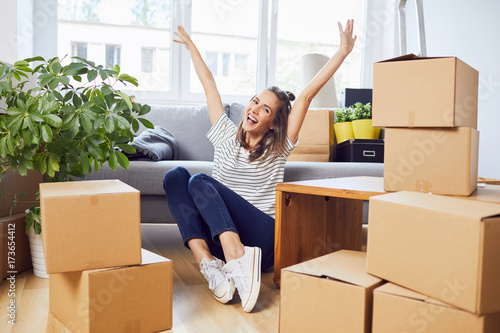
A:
[317,217]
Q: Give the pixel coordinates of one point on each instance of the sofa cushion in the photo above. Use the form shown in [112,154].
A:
[298,170]
[236,112]
[147,176]
[189,125]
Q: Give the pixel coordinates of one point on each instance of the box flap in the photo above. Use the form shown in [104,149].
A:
[346,266]
[447,204]
[87,187]
[396,290]
[410,56]
[149,257]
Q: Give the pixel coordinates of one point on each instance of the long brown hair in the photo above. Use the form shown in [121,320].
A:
[274,141]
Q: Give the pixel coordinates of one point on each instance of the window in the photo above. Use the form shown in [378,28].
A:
[113,55]
[222,28]
[116,31]
[79,50]
[211,59]
[247,45]
[226,62]
[321,36]
[147,59]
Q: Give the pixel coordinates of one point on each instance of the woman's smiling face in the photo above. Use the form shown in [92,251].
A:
[260,113]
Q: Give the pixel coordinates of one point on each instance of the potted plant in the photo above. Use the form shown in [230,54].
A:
[74,120]
[343,125]
[362,122]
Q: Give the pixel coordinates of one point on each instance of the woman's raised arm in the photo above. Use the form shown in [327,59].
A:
[214,102]
[301,105]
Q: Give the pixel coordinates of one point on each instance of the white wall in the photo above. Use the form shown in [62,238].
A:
[466,29]
[470,30]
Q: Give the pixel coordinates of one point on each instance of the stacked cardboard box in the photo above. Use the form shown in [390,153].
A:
[332,293]
[316,138]
[440,254]
[99,277]
[444,257]
[429,109]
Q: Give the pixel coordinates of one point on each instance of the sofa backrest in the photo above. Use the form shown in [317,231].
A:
[236,112]
[189,125]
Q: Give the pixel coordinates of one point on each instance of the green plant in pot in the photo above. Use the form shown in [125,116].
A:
[343,125]
[71,122]
[362,122]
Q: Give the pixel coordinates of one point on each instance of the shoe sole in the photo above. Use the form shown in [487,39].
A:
[255,288]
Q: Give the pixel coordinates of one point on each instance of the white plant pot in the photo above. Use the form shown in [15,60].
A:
[37,257]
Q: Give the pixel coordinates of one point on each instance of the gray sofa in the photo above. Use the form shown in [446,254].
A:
[189,125]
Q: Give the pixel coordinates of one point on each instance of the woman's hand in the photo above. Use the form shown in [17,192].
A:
[346,39]
[184,37]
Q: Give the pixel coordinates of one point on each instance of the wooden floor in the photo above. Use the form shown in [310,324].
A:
[194,309]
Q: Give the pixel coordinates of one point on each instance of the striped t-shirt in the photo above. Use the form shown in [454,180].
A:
[254,181]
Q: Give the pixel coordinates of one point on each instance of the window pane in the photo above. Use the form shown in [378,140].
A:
[113,55]
[147,58]
[79,50]
[112,27]
[211,61]
[229,28]
[316,33]
[226,62]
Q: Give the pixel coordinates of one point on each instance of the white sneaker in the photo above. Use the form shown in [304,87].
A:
[222,287]
[245,272]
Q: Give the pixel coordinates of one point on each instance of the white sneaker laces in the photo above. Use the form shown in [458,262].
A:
[212,273]
[239,278]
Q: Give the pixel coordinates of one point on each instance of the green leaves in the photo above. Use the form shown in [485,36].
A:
[46,133]
[126,98]
[354,112]
[73,121]
[128,78]
[361,111]
[92,74]
[53,120]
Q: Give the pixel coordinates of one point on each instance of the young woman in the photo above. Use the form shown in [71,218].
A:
[231,214]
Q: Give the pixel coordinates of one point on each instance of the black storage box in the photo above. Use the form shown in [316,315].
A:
[360,150]
[352,96]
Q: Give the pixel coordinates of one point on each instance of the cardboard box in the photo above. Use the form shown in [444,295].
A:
[436,160]
[396,310]
[124,299]
[316,138]
[444,247]
[411,91]
[90,224]
[331,293]
[13,232]
[14,185]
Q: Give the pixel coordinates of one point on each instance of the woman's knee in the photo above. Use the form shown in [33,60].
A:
[196,181]
[199,189]
[175,175]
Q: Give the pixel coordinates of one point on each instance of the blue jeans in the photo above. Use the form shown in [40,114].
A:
[204,208]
